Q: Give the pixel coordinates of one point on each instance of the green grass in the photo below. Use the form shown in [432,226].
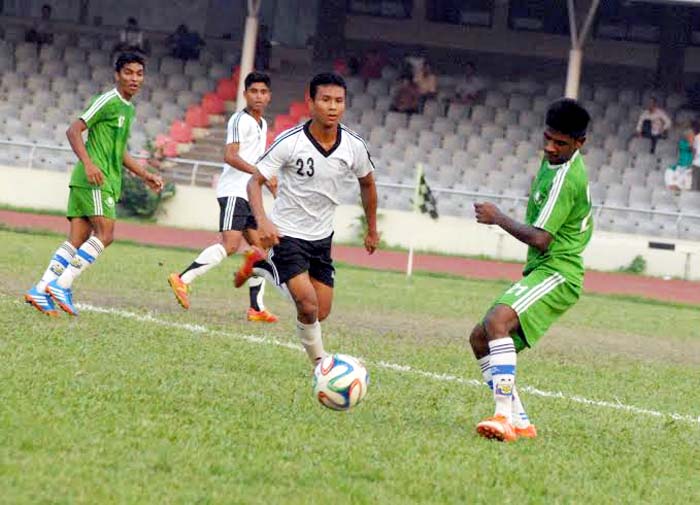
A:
[106,408]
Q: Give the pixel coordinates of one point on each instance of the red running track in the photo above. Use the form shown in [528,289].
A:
[596,282]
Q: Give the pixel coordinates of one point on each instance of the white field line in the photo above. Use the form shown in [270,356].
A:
[195,328]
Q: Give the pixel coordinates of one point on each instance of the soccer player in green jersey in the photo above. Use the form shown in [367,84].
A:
[95,186]
[557,229]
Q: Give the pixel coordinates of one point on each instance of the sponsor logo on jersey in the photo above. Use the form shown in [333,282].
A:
[109,201]
[122,119]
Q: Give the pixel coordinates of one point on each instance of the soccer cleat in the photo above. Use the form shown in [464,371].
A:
[250,258]
[63,298]
[261,316]
[180,289]
[529,432]
[41,302]
[497,428]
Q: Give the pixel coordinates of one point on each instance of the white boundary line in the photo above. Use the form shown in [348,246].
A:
[195,328]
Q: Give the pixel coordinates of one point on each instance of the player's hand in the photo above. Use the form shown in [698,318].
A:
[487,213]
[94,174]
[372,241]
[154,181]
[269,234]
[271,185]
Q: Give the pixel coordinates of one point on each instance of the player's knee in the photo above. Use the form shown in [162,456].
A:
[477,339]
[307,309]
[106,237]
[499,322]
[324,312]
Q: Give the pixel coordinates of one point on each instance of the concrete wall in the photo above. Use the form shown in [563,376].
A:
[195,207]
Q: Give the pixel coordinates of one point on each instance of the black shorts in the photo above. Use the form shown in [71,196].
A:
[293,256]
[235,214]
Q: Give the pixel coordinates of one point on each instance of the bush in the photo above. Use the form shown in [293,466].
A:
[139,201]
[638,266]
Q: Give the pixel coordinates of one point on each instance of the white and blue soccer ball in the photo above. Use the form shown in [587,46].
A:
[340,381]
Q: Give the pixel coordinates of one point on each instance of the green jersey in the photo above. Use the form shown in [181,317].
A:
[108,119]
[560,203]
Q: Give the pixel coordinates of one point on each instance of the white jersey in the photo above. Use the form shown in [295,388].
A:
[310,179]
[244,130]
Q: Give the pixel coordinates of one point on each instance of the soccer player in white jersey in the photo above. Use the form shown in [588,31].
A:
[245,143]
[311,161]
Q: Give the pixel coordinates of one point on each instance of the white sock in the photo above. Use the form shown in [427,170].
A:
[207,259]
[485,367]
[256,287]
[310,336]
[503,362]
[59,262]
[86,256]
[520,419]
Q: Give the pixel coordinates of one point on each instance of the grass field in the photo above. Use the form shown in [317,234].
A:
[138,401]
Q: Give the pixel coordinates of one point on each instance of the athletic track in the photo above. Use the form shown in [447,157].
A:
[596,282]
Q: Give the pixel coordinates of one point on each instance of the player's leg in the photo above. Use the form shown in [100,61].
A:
[256,283]
[80,230]
[322,273]
[306,300]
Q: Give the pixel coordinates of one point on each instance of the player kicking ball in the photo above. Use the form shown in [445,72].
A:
[95,186]
[245,142]
[312,160]
[557,229]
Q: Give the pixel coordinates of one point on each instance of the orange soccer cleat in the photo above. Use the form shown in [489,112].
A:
[529,432]
[261,316]
[250,258]
[497,428]
[180,289]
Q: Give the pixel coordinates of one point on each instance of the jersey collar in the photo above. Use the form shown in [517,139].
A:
[318,146]
[122,98]
[260,124]
[566,163]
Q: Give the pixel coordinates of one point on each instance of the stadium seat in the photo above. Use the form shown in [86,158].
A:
[181,132]
[213,103]
[395,120]
[197,117]
[362,101]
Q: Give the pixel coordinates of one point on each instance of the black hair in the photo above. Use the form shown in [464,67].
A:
[567,116]
[254,77]
[326,79]
[126,58]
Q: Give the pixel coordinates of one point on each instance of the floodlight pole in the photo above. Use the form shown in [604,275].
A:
[573,72]
[250,38]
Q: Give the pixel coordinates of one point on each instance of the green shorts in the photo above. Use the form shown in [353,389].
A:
[539,299]
[87,202]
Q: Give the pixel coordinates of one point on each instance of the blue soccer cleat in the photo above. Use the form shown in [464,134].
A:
[63,298]
[41,302]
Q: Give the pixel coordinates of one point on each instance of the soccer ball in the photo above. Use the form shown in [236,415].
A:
[340,381]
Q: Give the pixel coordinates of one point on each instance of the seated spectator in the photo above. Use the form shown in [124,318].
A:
[695,184]
[131,39]
[372,65]
[40,32]
[407,97]
[426,80]
[653,123]
[679,176]
[469,90]
[185,44]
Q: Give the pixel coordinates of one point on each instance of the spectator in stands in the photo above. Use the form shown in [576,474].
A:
[426,80]
[679,176]
[653,123]
[40,32]
[185,44]
[695,185]
[131,39]
[372,65]
[407,97]
[469,90]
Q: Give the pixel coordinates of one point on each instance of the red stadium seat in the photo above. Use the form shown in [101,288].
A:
[181,132]
[197,117]
[283,122]
[298,110]
[227,89]
[212,103]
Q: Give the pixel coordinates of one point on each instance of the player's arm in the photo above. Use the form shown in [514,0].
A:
[234,159]
[269,235]
[488,213]
[75,138]
[152,180]
[368,193]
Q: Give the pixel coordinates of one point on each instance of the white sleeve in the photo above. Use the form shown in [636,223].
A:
[276,156]
[234,129]
[362,161]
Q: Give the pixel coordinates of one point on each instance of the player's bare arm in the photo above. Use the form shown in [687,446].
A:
[488,213]
[269,235]
[152,180]
[75,138]
[368,193]
[233,158]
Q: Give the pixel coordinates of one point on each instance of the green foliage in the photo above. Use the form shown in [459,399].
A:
[139,201]
[199,406]
[362,229]
[637,266]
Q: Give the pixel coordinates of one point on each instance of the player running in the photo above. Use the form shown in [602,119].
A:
[245,142]
[312,161]
[95,186]
[558,227]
